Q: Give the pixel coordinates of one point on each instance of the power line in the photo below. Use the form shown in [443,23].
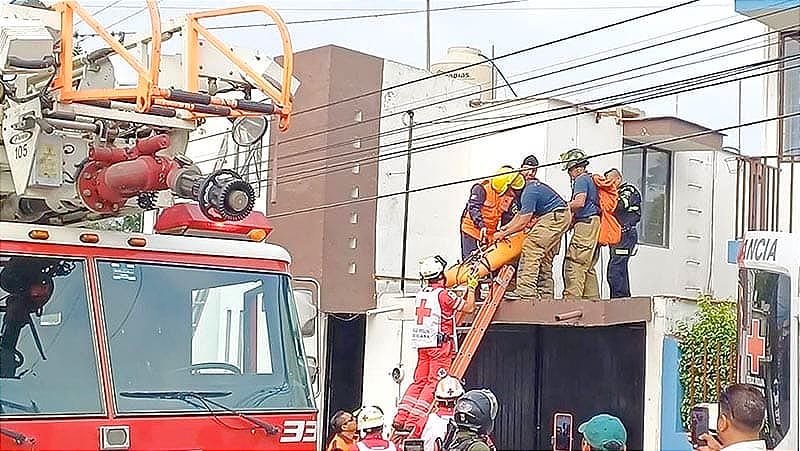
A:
[399,112]
[553,163]
[668,89]
[471,92]
[367,160]
[369,16]
[499,57]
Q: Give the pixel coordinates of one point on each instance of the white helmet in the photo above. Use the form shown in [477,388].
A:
[432,267]
[449,389]
[370,417]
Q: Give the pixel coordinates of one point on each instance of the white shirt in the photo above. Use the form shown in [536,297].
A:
[435,427]
[752,445]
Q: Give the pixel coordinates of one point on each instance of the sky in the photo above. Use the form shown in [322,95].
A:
[510,27]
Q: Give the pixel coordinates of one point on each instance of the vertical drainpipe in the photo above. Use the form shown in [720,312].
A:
[410,115]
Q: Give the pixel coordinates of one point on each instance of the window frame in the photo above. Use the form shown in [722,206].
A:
[645,149]
[782,38]
[93,334]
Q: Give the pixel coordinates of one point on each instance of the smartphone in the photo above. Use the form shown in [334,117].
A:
[699,424]
[562,432]
[414,444]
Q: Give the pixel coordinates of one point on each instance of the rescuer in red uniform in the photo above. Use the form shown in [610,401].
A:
[432,335]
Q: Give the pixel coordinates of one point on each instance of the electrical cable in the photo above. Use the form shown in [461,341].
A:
[470,90]
[503,56]
[478,110]
[556,72]
[399,153]
[578,113]
[554,163]
[546,92]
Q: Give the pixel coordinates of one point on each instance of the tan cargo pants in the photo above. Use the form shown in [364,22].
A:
[580,278]
[535,273]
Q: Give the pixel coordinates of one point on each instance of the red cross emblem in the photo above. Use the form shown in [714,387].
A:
[756,346]
[422,311]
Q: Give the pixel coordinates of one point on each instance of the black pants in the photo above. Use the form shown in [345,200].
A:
[468,245]
[618,280]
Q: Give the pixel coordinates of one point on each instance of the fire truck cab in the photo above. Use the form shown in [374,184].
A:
[769,319]
[130,341]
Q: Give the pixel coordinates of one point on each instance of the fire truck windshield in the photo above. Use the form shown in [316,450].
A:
[180,328]
[765,341]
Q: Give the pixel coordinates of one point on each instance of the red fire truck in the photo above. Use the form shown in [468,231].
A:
[186,339]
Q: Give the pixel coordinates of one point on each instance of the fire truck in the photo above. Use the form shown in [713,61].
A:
[185,339]
[769,319]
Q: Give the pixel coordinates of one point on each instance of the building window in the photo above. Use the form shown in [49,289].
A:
[790,97]
[650,170]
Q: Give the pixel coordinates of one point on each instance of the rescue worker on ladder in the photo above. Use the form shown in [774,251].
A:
[580,278]
[491,202]
[628,214]
[473,421]
[432,335]
[370,424]
[448,390]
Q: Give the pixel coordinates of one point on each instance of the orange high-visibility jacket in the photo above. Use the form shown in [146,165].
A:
[492,210]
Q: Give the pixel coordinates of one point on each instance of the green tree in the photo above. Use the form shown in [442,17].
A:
[707,343]
[127,223]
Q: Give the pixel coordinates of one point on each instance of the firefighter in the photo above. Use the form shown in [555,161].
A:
[628,214]
[473,421]
[448,390]
[490,202]
[432,335]
[539,201]
[580,278]
[370,424]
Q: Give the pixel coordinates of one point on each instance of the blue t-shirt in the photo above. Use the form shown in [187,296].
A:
[585,184]
[538,198]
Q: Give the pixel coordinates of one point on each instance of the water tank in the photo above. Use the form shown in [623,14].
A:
[479,75]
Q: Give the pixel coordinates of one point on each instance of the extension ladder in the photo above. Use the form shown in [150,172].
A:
[476,329]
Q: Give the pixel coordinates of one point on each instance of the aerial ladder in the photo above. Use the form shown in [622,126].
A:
[78,145]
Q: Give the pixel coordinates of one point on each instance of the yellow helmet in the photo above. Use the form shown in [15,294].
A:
[506,178]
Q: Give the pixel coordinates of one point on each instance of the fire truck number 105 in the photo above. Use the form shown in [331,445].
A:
[21,151]
[299,431]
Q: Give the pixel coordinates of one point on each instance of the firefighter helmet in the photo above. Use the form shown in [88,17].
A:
[476,410]
[505,177]
[370,417]
[573,158]
[431,268]
[449,389]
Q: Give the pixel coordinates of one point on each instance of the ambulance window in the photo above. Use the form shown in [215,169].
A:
[47,352]
[767,343]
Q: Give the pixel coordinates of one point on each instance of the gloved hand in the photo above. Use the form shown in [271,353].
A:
[472,281]
[483,235]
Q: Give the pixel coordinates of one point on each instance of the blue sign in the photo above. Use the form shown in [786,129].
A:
[746,6]
[733,251]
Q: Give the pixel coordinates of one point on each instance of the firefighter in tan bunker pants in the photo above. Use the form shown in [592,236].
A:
[580,278]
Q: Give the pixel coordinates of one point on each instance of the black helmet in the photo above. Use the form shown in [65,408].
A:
[476,410]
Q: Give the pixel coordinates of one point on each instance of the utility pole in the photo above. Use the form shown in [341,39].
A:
[410,116]
[428,35]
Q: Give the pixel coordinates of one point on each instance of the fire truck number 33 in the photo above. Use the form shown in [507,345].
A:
[299,431]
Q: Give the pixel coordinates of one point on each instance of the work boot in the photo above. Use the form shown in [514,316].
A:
[516,296]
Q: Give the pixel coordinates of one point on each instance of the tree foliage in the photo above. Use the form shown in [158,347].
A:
[127,223]
[707,343]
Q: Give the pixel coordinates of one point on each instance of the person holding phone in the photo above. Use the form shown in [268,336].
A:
[742,412]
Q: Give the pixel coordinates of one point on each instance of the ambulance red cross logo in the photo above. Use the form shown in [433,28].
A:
[422,312]
[756,347]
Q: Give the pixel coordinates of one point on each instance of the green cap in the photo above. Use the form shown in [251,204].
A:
[604,432]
